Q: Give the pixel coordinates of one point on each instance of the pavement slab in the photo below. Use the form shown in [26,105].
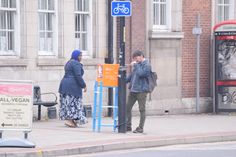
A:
[53,138]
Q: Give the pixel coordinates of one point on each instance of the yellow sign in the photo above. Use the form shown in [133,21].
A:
[108,74]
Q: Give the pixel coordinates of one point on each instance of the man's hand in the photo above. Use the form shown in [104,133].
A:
[132,63]
[85,89]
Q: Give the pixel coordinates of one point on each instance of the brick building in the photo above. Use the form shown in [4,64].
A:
[163,29]
[37,37]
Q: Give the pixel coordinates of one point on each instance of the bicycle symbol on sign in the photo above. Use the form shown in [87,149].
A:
[120,8]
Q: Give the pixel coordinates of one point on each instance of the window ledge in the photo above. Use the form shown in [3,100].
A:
[166,35]
[50,61]
[62,61]
[16,62]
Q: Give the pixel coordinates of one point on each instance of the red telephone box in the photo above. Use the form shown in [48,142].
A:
[225,66]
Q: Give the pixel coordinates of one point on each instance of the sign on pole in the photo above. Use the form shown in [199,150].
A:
[197,31]
[108,74]
[121,8]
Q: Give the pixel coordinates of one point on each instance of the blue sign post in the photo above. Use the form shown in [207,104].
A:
[121,8]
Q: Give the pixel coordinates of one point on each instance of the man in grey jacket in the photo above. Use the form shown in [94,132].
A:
[139,88]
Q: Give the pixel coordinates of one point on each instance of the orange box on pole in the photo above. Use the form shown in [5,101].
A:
[108,74]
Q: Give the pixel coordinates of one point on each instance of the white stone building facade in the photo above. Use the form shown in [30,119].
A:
[38,36]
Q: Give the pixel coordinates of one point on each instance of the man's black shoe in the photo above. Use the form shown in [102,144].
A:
[138,130]
[128,129]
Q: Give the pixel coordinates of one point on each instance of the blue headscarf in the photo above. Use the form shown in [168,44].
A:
[75,54]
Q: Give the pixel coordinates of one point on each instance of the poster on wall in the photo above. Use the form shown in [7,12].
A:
[226,55]
[16,100]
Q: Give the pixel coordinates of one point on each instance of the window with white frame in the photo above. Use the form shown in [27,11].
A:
[47,27]
[161,14]
[82,26]
[225,9]
[8,25]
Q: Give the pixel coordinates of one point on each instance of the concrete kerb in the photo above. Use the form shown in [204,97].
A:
[229,138]
[72,149]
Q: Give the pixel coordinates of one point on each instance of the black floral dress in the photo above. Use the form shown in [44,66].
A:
[72,108]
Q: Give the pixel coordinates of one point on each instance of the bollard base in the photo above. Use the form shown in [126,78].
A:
[16,142]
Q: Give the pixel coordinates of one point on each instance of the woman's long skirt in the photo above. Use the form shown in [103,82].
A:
[71,108]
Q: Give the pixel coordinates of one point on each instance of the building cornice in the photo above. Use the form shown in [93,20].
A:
[165,35]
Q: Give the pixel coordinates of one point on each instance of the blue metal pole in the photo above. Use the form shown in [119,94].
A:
[95,105]
[100,107]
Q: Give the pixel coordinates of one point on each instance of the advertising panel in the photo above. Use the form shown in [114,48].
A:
[16,105]
[225,66]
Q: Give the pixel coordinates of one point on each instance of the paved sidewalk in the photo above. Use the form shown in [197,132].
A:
[52,138]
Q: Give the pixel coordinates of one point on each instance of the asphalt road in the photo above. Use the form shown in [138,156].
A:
[224,149]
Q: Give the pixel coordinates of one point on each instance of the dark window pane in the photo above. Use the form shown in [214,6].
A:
[41,21]
[79,5]
[158,14]
[3,41]
[4,3]
[12,3]
[2,34]
[43,4]
[49,21]
[42,35]
[10,18]
[163,14]
[3,20]
[84,41]
[42,41]
[77,35]
[49,35]
[84,22]
[77,22]
[226,2]
[226,12]
[86,5]
[11,41]
[155,14]
[50,4]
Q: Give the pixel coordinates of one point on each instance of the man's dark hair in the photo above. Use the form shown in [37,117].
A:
[138,53]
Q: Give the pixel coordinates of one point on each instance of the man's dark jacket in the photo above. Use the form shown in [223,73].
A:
[138,79]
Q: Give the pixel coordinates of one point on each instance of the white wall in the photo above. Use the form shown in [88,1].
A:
[48,71]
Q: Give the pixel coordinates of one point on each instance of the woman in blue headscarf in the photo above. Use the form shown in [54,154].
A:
[71,108]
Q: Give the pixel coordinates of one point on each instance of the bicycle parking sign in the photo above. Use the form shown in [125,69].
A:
[121,8]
